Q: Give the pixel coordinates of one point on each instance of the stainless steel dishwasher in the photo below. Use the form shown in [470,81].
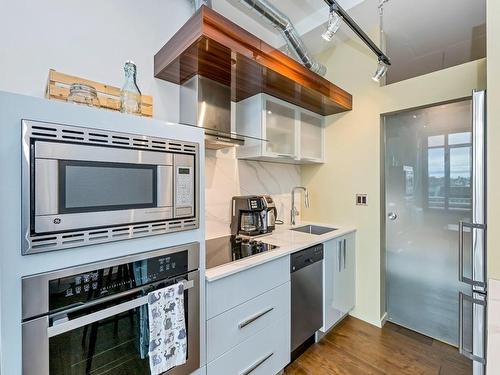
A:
[306,268]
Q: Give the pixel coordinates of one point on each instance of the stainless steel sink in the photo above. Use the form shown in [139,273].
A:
[313,229]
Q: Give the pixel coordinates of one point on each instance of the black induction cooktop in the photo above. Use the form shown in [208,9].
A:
[227,249]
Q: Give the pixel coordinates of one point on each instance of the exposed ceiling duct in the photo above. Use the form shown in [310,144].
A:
[281,22]
[198,3]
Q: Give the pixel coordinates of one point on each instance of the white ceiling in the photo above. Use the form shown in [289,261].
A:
[428,35]
[422,35]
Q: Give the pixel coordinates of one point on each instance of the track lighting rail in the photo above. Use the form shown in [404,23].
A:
[334,6]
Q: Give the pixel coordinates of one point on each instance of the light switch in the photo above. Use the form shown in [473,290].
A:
[361,200]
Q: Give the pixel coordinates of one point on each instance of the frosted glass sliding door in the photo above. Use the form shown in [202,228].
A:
[428,192]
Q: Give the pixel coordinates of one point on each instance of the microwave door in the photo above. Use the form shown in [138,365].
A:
[76,194]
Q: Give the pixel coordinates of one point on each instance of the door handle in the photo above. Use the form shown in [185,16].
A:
[63,325]
[461,276]
[253,367]
[344,242]
[254,318]
[339,255]
[392,216]
[461,347]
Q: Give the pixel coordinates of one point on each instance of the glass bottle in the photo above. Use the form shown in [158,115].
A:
[130,99]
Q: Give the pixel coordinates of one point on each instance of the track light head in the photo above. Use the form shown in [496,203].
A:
[380,72]
[334,21]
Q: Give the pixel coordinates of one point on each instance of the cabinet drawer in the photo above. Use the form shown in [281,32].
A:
[231,291]
[265,353]
[234,326]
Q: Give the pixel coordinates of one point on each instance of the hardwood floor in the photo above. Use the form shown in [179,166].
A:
[358,348]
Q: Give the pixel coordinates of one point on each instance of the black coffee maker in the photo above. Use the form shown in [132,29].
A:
[249,215]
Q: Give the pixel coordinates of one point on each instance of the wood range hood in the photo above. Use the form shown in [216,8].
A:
[211,46]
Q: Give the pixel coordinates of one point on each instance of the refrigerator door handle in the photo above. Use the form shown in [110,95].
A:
[461,276]
[461,346]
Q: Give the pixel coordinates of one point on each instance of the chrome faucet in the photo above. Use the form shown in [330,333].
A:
[294,211]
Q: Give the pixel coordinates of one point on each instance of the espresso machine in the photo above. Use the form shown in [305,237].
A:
[249,216]
[272,213]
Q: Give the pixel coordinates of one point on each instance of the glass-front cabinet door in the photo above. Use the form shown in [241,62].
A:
[311,137]
[279,129]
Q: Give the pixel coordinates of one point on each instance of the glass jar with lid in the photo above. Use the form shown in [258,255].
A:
[80,93]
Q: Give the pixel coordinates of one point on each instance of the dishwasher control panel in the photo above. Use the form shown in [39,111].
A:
[306,257]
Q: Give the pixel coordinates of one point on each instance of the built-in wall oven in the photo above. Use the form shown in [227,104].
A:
[93,319]
[84,186]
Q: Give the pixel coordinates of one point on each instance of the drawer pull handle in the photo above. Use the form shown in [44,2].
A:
[256,364]
[252,319]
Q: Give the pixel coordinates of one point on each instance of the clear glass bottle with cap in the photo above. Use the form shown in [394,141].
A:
[130,100]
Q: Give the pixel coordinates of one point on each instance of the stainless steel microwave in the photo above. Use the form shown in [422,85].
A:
[83,186]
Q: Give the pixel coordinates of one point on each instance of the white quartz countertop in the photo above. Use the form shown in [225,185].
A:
[288,242]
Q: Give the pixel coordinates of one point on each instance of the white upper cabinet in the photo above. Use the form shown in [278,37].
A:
[279,131]
[311,137]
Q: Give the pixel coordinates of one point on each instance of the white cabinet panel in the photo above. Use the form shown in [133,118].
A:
[230,291]
[265,353]
[339,280]
[228,329]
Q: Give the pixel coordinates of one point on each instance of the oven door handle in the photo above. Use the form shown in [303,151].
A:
[71,325]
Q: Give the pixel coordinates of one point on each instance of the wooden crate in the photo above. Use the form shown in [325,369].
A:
[109,97]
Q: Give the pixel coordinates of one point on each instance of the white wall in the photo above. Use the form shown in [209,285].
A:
[91,39]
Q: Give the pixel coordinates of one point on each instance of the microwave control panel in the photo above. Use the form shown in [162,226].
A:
[184,194]
[185,182]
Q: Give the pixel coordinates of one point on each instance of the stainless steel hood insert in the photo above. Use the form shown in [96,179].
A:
[207,104]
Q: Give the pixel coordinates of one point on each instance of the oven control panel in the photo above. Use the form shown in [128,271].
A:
[99,283]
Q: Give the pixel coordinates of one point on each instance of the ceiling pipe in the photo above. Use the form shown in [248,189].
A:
[281,22]
[198,3]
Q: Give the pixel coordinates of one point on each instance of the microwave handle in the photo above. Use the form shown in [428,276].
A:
[71,325]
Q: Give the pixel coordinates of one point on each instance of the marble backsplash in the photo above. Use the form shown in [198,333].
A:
[226,176]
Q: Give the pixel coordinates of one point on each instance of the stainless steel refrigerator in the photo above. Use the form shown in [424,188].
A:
[472,249]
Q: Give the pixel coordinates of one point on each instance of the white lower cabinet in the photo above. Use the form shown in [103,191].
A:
[236,325]
[228,292]
[248,330]
[265,353]
[339,279]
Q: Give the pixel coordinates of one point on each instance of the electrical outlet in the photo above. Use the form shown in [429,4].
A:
[361,200]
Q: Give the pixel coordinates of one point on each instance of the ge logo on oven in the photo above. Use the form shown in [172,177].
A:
[57,220]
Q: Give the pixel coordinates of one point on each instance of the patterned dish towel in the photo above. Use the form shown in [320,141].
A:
[167,329]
